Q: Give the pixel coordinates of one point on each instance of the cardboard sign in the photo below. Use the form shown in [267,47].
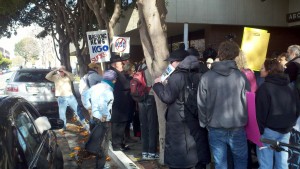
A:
[121,44]
[169,70]
[254,45]
[98,46]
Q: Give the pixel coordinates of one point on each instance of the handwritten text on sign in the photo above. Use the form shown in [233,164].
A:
[121,44]
[98,46]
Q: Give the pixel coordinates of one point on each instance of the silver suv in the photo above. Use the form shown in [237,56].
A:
[32,85]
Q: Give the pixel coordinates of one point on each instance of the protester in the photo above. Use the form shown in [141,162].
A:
[209,61]
[189,64]
[242,65]
[180,147]
[90,79]
[121,105]
[102,99]
[292,68]
[63,91]
[129,70]
[222,107]
[148,119]
[282,59]
[277,109]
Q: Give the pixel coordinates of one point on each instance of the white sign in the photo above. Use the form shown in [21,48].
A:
[98,46]
[121,44]
[169,70]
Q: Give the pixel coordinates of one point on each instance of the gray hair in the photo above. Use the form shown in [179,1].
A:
[294,49]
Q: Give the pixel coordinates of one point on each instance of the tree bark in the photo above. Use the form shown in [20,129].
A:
[152,28]
[104,21]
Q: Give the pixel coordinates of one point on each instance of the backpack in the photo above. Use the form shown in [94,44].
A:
[84,83]
[192,79]
[138,86]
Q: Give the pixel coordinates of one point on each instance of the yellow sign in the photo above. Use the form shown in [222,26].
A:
[255,45]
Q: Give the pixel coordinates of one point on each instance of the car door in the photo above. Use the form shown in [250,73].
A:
[34,145]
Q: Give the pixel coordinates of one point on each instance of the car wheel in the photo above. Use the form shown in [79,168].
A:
[58,159]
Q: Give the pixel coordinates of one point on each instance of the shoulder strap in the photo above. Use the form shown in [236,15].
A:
[87,80]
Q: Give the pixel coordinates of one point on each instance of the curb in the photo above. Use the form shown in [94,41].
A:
[121,159]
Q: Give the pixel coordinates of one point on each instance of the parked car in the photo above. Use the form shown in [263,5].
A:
[27,140]
[34,87]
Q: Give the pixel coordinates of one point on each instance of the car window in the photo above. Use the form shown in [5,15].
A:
[32,76]
[28,136]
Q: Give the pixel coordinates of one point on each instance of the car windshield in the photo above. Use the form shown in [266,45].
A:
[33,76]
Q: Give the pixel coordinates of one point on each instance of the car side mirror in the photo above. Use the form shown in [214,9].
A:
[56,123]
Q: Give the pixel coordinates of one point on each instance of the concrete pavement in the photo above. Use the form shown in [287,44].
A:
[72,142]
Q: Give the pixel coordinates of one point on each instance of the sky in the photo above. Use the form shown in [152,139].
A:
[9,44]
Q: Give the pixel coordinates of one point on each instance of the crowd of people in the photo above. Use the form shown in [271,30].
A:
[217,129]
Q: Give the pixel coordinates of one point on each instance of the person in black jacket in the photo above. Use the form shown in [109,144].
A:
[292,67]
[180,147]
[277,109]
[121,105]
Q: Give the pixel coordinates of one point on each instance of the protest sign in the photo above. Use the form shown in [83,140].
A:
[121,44]
[169,70]
[254,45]
[98,46]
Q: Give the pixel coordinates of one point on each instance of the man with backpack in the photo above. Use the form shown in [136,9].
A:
[87,81]
[140,90]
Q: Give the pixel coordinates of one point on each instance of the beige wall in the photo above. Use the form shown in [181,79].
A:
[294,6]
[229,12]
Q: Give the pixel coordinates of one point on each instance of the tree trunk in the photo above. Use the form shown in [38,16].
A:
[153,35]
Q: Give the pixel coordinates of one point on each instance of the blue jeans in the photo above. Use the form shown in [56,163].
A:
[235,139]
[269,158]
[63,103]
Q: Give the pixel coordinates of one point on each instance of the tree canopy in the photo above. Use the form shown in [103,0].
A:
[28,48]
[4,62]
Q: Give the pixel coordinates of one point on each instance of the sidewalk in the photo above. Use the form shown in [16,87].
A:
[72,143]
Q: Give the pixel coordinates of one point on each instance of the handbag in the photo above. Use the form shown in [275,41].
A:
[93,145]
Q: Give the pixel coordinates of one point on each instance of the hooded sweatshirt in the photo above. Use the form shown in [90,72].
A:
[276,104]
[222,96]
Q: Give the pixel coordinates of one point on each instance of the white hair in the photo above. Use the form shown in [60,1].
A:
[294,49]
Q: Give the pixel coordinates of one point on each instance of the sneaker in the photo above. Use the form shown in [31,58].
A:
[106,166]
[144,155]
[85,125]
[153,156]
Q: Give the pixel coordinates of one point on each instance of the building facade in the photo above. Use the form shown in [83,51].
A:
[209,21]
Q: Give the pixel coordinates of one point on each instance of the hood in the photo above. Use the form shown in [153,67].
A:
[190,62]
[92,71]
[225,67]
[278,79]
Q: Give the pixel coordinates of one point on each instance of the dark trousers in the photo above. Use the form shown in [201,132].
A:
[104,146]
[149,124]
[117,134]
